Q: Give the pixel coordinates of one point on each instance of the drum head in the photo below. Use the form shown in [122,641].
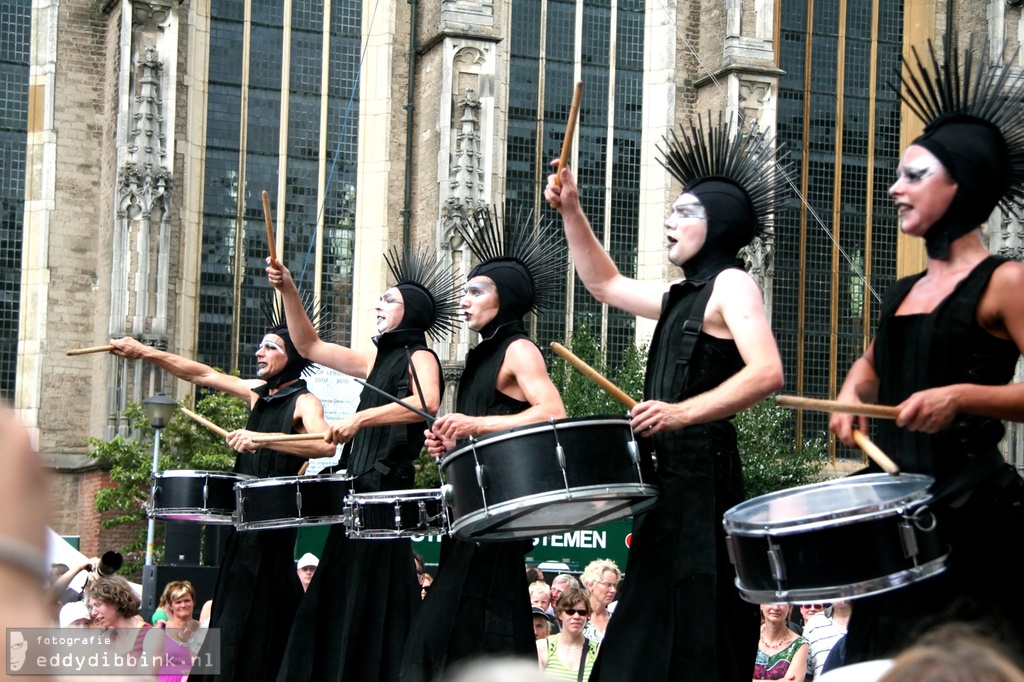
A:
[851,499]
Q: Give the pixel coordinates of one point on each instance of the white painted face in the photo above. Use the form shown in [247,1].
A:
[479,302]
[271,357]
[923,191]
[686,229]
[390,310]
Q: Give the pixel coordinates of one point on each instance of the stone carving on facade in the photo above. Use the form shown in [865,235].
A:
[466,174]
[144,177]
[754,96]
[151,14]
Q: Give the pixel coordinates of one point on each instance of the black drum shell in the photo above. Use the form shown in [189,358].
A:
[856,553]
[178,495]
[522,474]
[275,502]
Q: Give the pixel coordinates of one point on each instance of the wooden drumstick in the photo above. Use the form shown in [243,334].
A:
[288,438]
[875,453]
[93,349]
[865,409]
[270,227]
[570,130]
[302,469]
[204,421]
[593,375]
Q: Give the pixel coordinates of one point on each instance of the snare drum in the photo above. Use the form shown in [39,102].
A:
[843,539]
[290,501]
[546,478]
[194,496]
[396,514]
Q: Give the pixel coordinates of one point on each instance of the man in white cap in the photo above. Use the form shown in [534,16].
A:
[306,567]
[74,615]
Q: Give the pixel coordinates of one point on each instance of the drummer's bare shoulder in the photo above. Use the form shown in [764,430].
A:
[999,310]
[524,376]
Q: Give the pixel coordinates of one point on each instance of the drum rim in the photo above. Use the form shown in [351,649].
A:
[410,495]
[288,480]
[200,473]
[915,498]
[864,588]
[164,514]
[530,429]
[291,522]
[649,498]
[395,534]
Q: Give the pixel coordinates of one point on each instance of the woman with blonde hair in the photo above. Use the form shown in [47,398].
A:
[601,579]
[179,601]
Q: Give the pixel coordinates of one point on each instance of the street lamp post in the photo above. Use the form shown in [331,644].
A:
[159,410]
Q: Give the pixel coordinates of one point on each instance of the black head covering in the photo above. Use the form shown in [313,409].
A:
[527,262]
[296,365]
[429,291]
[974,126]
[734,174]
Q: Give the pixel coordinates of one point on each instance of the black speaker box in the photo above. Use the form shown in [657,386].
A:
[155,579]
[182,543]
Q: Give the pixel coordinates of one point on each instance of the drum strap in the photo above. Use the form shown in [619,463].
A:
[692,327]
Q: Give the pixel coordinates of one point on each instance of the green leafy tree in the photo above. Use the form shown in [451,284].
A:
[184,445]
[767,444]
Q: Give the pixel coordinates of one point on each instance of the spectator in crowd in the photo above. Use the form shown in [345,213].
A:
[533,575]
[561,656]
[954,653]
[562,582]
[540,595]
[781,653]
[541,624]
[23,514]
[179,600]
[74,614]
[305,568]
[822,631]
[601,580]
[114,606]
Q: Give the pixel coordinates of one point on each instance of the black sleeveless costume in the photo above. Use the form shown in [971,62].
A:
[979,499]
[479,603]
[355,617]
[679,616]
[257,590]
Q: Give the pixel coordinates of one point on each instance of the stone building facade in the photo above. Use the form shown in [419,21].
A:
[151,128]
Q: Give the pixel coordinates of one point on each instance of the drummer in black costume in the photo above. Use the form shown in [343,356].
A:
[945,351]
[359,606]
[257,589]
[711,356]
[479,603]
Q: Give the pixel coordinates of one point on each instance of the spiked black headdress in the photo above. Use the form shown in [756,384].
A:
[526,260]
[974,125]
[736,175]
[322,323]
[428,289]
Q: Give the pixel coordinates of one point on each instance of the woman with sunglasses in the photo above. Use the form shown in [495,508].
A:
[569,655]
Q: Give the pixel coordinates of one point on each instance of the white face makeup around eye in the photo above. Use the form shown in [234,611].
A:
[918,170]
[688,207]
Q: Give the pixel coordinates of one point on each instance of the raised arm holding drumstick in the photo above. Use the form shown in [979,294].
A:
[711,356]
[371,579]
